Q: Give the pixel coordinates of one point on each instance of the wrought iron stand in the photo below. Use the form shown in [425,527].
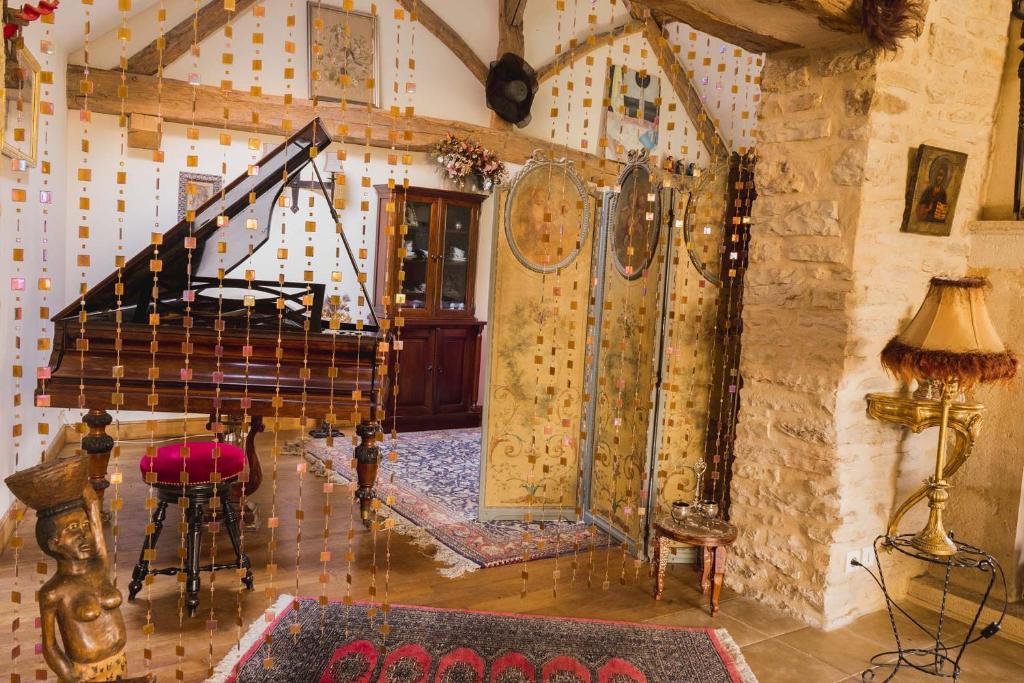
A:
[936,658]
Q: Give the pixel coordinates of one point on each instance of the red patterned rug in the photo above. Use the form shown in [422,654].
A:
[435,484]
[342,644]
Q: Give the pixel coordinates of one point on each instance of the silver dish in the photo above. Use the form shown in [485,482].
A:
[708,509]
[680,510]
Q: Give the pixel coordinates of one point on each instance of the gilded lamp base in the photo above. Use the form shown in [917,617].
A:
[933,539]
[963,420]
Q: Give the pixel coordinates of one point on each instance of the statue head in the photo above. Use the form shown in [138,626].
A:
[66,533]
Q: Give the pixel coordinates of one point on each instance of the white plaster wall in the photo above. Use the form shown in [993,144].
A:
[444,88]
[38,229]
[717,69]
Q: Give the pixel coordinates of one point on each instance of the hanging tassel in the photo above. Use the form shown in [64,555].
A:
[887,22]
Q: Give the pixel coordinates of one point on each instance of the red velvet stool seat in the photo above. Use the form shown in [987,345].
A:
[197,472]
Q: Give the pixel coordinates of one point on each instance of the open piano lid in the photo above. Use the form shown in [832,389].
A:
[275,170]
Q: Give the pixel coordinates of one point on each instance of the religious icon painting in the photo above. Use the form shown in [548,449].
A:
[636,218]
[343,55]
[632,115]
[547,215]
[933,189]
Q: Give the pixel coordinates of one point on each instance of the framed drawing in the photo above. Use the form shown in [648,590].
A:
[636,218]
[21,107]
[547,215]
[343,55]
[203,187]
[933,190]
[632,115]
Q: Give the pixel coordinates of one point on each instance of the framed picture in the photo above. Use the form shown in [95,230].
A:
[203,186]
[933,190]
[547,215]
[21,107]
[632,115]
[636,218]
[343,52]
[3,81]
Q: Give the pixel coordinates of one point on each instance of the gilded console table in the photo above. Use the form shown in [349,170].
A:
[918,413]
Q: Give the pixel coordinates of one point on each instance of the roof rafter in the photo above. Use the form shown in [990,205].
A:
[176,42]
[449,37]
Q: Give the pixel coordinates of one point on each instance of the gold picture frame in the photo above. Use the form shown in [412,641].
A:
[547,214]
[3,79]
[356,53]
[933,189]
[20,129]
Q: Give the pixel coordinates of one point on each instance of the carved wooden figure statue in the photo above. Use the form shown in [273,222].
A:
[83,632]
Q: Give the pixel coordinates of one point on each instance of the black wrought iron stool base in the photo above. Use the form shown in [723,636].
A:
[937,658]
[198,499]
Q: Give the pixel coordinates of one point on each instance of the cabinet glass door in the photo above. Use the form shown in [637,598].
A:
[417,253]
[455,257]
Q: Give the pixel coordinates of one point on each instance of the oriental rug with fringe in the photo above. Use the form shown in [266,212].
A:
[338,643]
[435,486]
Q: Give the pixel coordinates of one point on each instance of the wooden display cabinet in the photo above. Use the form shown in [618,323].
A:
[439,365]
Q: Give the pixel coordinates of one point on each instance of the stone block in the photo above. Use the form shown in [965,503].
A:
[804,101]
[849,168]
[793,130]
[844,62]
[783,175]
[784,74]
[819,217]
[805,431]
[818,252]
[857,101]
[890,103]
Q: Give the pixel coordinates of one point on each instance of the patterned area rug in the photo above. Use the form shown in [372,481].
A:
[428,645]
[436,484]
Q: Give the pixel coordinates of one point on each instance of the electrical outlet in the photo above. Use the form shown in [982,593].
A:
[867,556]
[851,557]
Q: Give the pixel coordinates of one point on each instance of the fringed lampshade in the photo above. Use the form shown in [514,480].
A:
[951,338]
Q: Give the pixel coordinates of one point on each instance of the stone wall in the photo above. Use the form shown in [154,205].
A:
[987,500]
[831,279]
[998,202]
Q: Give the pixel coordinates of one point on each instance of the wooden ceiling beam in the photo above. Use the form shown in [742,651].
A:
[449,37]
[510,27]
[210,19]
[704,20]
[839,15]
[707,131]
[764,25]
[584,47]
[344,126]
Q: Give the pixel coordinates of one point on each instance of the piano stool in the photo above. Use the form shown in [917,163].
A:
[202,486]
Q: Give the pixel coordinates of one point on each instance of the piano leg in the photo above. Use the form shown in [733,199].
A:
[254,476]
[367,459]
[98,444]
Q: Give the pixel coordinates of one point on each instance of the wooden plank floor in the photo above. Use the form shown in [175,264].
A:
[777,646]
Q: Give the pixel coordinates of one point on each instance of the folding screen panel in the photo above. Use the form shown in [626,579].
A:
[537,337]
[626,348]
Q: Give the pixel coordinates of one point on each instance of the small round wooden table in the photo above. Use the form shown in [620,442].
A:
[712,536]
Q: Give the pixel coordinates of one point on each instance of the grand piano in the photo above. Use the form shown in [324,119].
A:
[329,370]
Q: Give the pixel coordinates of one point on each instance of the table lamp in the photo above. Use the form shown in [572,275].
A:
[950,346]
